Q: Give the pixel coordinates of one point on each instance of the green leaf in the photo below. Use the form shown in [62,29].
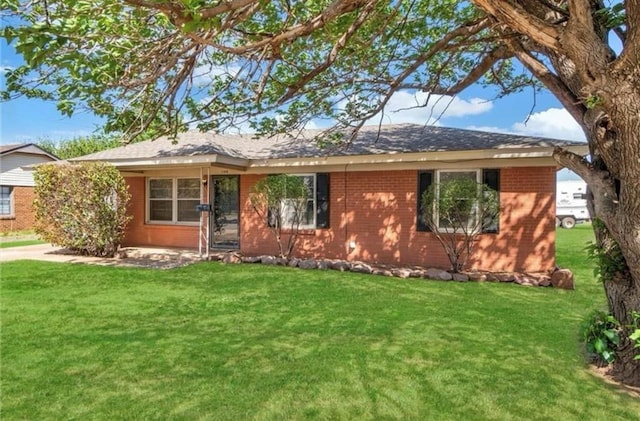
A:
[608,356]
[612,335]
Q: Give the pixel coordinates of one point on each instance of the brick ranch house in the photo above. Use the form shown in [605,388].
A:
[16,184]
[364,200]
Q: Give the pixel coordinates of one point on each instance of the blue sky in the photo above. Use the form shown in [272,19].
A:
[31,120]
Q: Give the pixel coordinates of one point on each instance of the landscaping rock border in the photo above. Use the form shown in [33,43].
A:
[558,278]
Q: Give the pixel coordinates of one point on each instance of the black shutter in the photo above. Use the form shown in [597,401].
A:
[271,222]
[491,177]
[322,200]
[425,178]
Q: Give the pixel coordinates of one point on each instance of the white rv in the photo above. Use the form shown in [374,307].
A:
[571,203]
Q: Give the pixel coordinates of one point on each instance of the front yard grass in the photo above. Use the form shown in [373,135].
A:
[19,243]
[18,239]
[213,341]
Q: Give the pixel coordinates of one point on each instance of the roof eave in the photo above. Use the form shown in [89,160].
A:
[391,158]
[178,161]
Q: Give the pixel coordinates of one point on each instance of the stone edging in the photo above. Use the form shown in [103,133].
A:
[559,278]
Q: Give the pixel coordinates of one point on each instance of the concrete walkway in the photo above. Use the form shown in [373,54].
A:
[150,257]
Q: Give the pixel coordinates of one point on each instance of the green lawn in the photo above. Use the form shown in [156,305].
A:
[19,243]
[238,342]
[19,239]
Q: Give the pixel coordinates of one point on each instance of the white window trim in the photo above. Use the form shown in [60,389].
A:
[311,225]
[478,172]
[12,213]
[174,201]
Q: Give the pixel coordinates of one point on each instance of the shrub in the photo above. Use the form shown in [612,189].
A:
[600,334]
[81,207]
[457,211]
[281,200]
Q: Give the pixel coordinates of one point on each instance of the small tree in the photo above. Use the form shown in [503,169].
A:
[281,200]
[79,146]
[457,211]
[81,207]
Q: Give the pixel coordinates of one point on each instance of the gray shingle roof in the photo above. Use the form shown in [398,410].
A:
[29,148]
[371,140]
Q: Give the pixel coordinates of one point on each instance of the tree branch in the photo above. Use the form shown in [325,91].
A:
[155,5]
[629,58]
[633,20]
[513,15]
[466,31]
[331,12]
[600,182]
[580,12]
[476,73]
[333,55]
[550,80]
[551,6]
[181,14]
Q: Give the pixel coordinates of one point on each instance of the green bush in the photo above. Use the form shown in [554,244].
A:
[457,211]
[281,200]
[601,335]
[81,207]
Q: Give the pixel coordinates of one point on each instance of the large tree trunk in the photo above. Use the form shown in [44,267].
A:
[623,297]
[613,176]
[623,290]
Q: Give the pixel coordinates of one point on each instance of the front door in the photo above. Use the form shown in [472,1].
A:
[225,224]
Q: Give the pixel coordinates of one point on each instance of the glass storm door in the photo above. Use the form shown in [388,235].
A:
[225,224]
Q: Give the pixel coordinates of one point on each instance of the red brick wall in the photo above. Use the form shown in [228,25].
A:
[527,222]
[377,211]
[140,234]
[22,218]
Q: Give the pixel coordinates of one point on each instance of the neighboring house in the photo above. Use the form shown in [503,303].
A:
[365,198]
[16,184]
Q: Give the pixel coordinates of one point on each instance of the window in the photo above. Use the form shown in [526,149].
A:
[188,199]
[316,208]
[173,200]
[6,194]
[308,217]
[463,203]
[489,177]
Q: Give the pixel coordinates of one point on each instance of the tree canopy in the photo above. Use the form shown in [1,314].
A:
[79,146]
[155,67]
[277,64]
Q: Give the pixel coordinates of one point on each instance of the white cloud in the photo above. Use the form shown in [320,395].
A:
[491,129]
[204,74]
[554,122]
[419,108]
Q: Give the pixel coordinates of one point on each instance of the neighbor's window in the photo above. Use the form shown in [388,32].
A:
[173,200]
[308,217]
[5,200]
